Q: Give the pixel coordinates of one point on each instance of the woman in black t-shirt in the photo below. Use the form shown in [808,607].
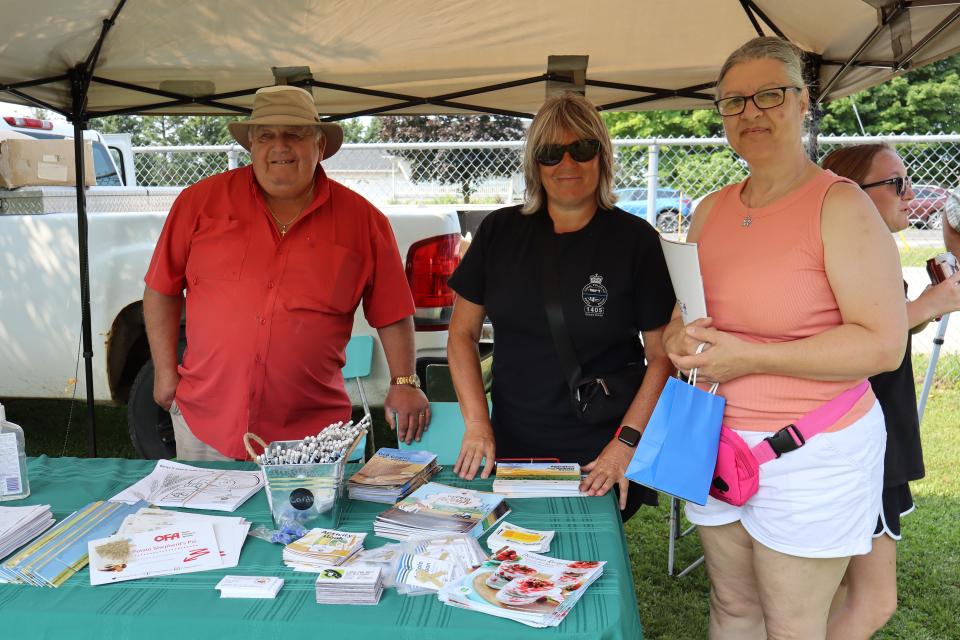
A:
[871,580]
[607,280]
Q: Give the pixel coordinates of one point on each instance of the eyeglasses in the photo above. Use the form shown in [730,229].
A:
[901,184]
[766,99]
[583,150]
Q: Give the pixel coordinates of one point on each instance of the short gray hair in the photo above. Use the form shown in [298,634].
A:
[763,48]
[573,113]
[252,129]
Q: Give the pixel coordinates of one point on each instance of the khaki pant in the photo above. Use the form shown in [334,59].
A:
[189,447]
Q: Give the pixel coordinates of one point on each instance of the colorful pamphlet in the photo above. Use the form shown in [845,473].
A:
[537,591]
[322,547]
[425,565]
[173,484]
[349,585]
[439,508]
[159,552]
[392,474]
[231,531]
[62,551]
[249,586]
[514,537]
[538,480]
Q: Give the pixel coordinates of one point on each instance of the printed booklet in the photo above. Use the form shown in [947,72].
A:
[440,508]
[535,590]
[391,475]
[538,480]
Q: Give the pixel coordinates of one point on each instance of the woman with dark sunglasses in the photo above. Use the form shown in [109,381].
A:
[601,273]
[870,594]
[802,284]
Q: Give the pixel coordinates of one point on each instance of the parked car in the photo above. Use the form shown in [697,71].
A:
[926,208]
[669,203]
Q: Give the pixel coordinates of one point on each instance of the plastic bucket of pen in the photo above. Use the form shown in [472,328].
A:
[310,495]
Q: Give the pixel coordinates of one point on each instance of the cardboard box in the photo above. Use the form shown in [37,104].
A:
[26,161]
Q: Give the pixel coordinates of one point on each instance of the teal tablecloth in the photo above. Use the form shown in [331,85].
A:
[188,606]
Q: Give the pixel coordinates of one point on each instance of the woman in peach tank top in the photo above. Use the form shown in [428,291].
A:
[802,284]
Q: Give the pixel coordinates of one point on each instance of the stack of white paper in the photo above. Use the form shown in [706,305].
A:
[349,585]
[249,586]
[539,591]
[322,547]
[156,542]
[20,525]
[538,480]
[519,539]
[172,484]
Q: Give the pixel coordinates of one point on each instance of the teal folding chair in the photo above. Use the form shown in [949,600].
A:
[359,359]
[444,434]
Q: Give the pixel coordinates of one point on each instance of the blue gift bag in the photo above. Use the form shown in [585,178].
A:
[678,451]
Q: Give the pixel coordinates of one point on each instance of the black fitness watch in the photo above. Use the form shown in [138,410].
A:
[628,436]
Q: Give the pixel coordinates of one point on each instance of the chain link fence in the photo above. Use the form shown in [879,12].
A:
[660,179]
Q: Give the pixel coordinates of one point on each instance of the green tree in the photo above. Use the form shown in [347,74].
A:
[463,166]
[926,100]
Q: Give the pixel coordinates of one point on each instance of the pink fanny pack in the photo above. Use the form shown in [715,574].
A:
[737,475]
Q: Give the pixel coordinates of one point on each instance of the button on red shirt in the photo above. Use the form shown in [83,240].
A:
[268,318]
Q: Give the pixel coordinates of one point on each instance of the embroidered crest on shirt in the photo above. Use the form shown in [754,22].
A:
[594,296]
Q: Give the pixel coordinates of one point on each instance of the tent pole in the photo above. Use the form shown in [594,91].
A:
[78,90]
[811,72]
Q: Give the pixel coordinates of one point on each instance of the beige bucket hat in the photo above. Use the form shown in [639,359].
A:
[286,105]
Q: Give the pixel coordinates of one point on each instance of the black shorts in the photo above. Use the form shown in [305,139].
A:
[897,501]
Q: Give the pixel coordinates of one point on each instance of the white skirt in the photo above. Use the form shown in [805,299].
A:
[819,501]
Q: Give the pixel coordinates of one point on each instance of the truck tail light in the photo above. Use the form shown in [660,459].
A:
[430,263]
[29,123]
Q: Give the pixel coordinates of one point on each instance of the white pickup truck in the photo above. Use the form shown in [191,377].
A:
[40,290]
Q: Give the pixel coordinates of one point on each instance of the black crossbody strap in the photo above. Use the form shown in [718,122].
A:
[549,263]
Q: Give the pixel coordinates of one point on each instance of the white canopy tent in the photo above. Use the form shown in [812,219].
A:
[91,58]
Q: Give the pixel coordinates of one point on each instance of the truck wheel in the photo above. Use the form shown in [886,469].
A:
[150,427]
[667,221]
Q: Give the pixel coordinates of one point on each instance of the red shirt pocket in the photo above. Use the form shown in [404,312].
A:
[327,278]
[218,249]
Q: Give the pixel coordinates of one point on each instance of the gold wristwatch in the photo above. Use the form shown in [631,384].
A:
[413,380]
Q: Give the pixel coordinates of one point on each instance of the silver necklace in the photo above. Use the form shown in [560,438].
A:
[747,220]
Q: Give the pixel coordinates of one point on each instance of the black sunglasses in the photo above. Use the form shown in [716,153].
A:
[583,150]
[901,184]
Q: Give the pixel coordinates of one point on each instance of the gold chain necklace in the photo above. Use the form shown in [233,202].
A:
[283,226]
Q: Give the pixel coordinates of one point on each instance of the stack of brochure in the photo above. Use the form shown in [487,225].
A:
[538,480]
[392,475]
[20,525]
[172,484]
[425,565]
[519,539]
[349,585]
[438,508]
[51,559]
[319,548]
[537,591]
[249,586]
[157,542]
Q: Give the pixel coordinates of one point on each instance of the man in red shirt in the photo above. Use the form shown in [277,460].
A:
[274,258]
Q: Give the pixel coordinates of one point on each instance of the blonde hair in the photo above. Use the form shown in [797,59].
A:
[767,47]
[573,113]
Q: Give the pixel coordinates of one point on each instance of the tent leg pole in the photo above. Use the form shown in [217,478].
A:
[932,367]
[78,88]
